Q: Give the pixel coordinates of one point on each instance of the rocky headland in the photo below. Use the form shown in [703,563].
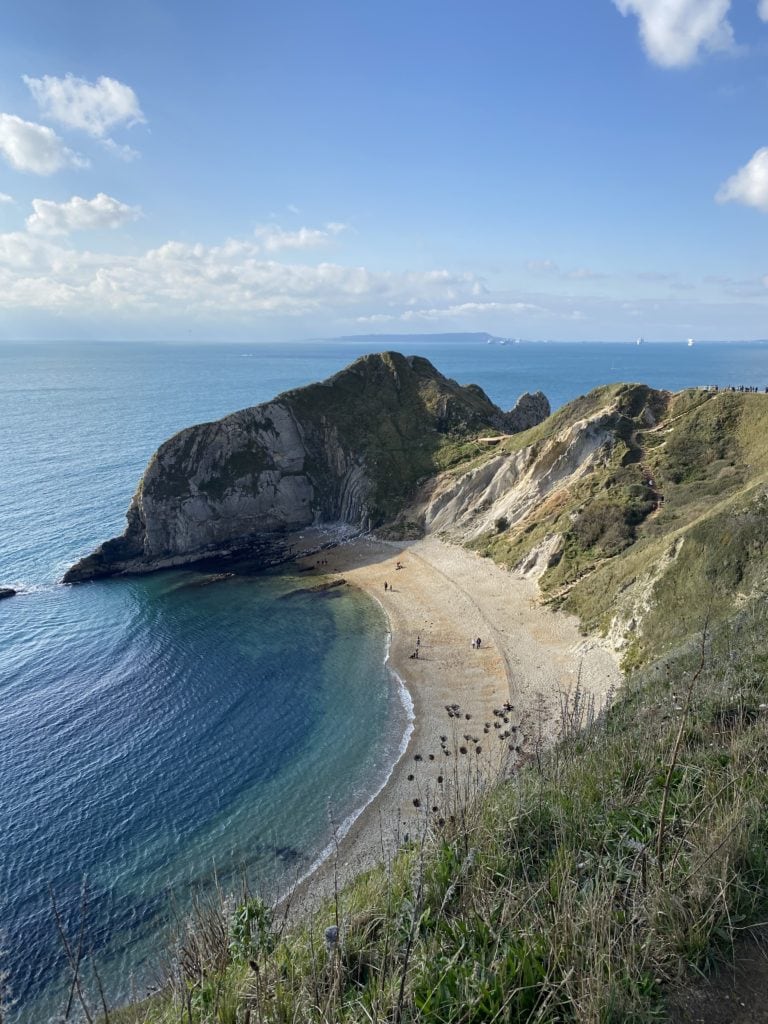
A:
[349,451]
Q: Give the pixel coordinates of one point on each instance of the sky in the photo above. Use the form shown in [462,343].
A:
[248,171]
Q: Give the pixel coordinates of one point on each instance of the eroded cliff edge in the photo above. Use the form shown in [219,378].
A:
[349,450]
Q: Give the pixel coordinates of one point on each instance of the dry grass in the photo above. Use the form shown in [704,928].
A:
[574,889]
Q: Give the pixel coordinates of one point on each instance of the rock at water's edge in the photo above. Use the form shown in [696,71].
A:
[7,592]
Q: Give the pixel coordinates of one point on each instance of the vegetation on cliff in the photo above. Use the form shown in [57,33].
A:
[671,526]
[351,449]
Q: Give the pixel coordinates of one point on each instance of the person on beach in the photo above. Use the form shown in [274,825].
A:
[418,641]
[478,642]
[386,586]
[474,643]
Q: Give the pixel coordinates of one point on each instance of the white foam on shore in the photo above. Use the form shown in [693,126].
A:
[406,700]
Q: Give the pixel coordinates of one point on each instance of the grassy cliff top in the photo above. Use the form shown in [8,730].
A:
[672,527]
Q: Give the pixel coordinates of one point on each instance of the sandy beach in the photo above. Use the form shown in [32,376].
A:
[441,599]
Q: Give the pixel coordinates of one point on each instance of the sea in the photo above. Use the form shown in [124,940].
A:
[159,736]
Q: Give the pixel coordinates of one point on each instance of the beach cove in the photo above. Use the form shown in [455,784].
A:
[444,597]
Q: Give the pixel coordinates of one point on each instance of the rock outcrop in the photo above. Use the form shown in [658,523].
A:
[7,592]
[348,450]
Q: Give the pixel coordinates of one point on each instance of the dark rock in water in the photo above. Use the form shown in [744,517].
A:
[330,585]
[288,854]
[218,577]
[350,451]
[7,592]
[321,588]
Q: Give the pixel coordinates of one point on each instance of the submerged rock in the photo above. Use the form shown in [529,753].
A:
[7,592]
[320,588]
[349,450]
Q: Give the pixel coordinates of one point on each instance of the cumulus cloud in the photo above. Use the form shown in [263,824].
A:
[674,32]
[762,9]
[749,185]
[78,214]
[35,148]
[5,198]
[233,279]
[274,238]
[93,107]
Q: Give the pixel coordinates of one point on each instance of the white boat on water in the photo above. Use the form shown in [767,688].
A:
[690,343]
[640,341]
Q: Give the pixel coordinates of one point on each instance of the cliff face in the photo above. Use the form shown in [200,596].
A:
[349,450]
[643,512]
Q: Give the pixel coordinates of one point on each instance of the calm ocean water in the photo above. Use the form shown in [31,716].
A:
[152,730]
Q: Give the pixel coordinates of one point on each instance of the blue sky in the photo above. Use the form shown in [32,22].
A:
[245,171]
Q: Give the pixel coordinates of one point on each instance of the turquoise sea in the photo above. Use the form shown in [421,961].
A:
[153,731]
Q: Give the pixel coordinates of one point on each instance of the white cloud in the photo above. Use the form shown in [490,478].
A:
[274,238]
[5,198]
[762,9]
[93,107]
[79,214]
[181,279]
[551,269]
[122,152]
[749,185]
[33,147]
[674,32]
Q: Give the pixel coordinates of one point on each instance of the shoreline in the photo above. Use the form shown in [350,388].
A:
[445,596]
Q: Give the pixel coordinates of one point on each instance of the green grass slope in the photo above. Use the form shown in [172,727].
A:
[671,531]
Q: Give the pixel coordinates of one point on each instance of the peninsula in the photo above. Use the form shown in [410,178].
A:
[350,450]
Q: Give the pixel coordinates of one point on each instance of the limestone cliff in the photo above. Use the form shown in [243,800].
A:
[348,450]
[644,512]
